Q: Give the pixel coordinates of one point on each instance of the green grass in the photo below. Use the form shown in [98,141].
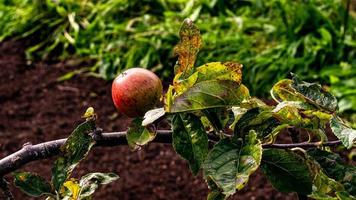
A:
[271,38]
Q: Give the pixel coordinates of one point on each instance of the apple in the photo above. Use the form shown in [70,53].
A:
[135,91]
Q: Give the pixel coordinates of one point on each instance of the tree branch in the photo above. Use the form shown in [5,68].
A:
[45,150]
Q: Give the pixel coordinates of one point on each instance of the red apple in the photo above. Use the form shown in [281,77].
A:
[135,91]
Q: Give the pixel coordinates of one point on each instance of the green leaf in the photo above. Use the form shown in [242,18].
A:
[190,139]
[223,71]
[210,94]
[32,184]
[324,187]
[259,120]
[345,196]
[188,48]
[239,111]
[152,115]
[218,117]
[287,171]
[138,135]
[73,151]
[342,132]
[90,182]
[315,94]
[230,163]
[335,168]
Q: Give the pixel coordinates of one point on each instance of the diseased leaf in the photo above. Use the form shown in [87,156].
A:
[190,139]
[210,94]
[287,171]
[334,167]
[90,182]
[315,94]
[230,163]
[73,151]
[301,114]
[224,71]
[283,91]
[342,132]
[301,91]
[138,135]
[188,48]
[32,184]
[153,115]
[215,75]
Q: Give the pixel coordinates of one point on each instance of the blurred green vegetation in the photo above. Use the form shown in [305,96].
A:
[315,39]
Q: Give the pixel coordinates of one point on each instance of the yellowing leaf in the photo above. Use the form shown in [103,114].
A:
[89,113]
[168,100]
[73,186]
[223,71]
[283,91]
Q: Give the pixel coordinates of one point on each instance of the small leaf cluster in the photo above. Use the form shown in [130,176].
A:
[219,129]
[62,185]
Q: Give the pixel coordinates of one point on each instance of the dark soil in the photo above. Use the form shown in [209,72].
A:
[34,108]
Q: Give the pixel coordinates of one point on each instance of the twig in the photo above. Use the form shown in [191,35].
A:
[45,150]
[304,145]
